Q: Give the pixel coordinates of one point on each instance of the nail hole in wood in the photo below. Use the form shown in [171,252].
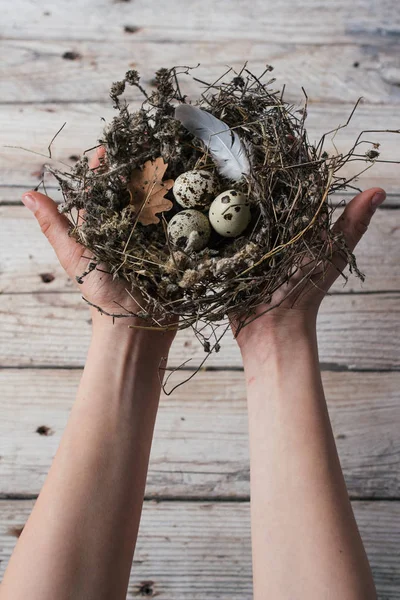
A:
[131,29]
[71,55]
[146,588]
[44,430]
[47,277]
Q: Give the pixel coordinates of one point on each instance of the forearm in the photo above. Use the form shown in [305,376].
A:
[80,538]
[305,539]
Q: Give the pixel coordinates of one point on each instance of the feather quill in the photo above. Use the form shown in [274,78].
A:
[224,144]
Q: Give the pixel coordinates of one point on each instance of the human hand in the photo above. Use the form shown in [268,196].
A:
[297,303]
[97,287]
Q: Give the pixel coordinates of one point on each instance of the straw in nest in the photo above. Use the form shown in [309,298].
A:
[282,178]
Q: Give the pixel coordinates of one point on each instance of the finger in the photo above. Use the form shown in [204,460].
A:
[55,227]
[353,224]
[96,158]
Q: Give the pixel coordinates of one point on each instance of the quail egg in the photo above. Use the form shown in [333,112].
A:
[195,189]
[189,230]
[230,213]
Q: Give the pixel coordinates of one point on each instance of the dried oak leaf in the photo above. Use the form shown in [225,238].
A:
[147,191]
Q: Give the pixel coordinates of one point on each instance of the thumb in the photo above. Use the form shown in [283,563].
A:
[55,227]
[353,224]
[356,217]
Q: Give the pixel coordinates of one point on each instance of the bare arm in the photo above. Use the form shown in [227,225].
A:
[79,540]
[305,540]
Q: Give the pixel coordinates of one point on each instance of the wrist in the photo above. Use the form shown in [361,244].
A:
[277,337]
[131,335]
[129,363]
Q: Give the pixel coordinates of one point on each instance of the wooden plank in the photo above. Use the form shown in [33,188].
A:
[337,74]
[51,329]
[294,20]
[200,446]
[202,550]
[11,194]
[28,263]
[33,126]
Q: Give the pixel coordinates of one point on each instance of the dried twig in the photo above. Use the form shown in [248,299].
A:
[289,186]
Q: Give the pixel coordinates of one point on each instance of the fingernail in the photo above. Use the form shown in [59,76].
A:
[377,199]
[29,201]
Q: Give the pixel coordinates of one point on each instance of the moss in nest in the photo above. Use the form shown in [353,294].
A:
[288,188]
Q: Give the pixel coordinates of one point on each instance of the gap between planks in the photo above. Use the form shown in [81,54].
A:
[201,499]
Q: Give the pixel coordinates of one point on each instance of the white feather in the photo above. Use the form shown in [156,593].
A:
[224,144]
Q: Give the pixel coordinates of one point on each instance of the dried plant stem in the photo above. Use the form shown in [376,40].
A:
[289,187]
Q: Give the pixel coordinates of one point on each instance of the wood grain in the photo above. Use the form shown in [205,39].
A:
[202,550]
[200,446]
[32,127]
[56,67]
[51,329]
[11,194]
[294,20]
[329,73]
[28,263]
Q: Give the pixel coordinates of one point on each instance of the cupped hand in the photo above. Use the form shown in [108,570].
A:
[298,299]
[97,286]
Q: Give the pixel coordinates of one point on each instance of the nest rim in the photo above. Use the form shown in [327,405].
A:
[289,187]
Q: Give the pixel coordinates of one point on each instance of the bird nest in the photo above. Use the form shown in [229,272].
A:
[242,143]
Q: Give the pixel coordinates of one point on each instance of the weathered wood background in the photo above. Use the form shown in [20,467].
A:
[57,62]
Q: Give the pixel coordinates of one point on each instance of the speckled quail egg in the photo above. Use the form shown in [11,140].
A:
[189,230]
[230,213]
[195,189]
